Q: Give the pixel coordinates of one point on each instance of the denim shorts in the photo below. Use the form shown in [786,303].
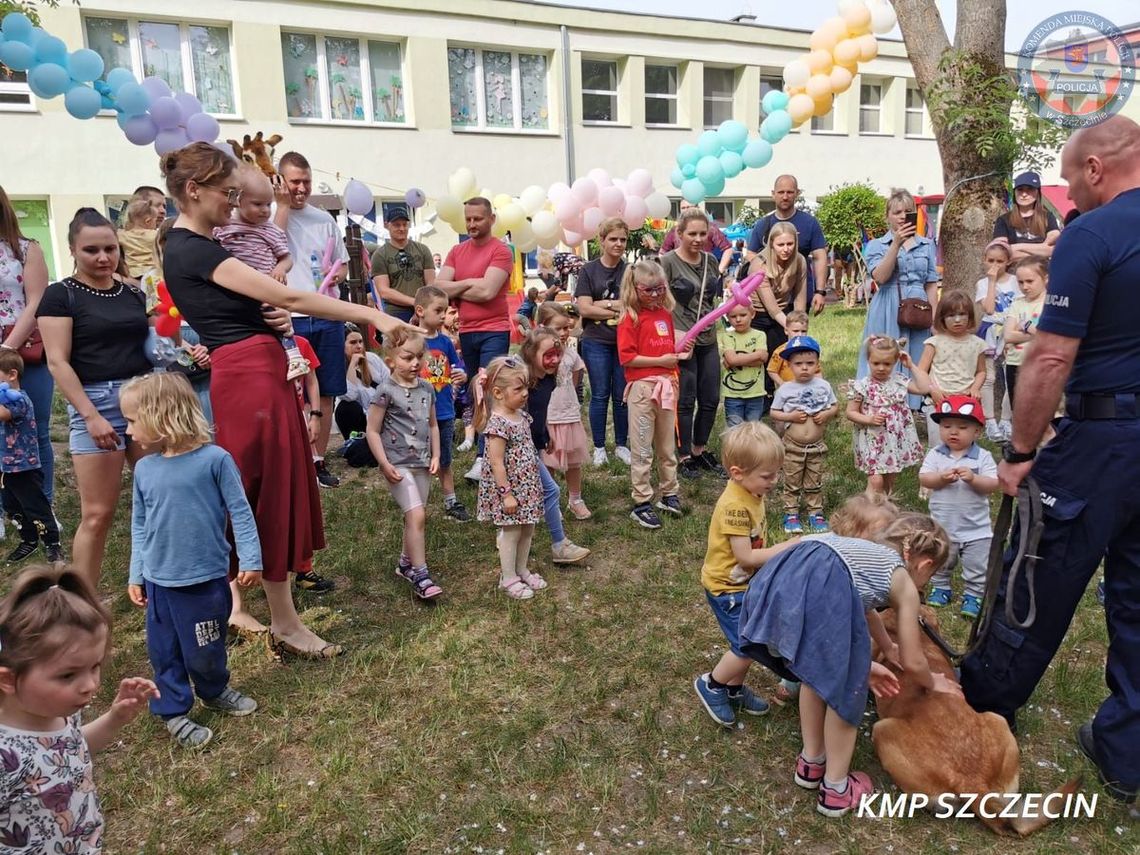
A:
[327,339]
[104,396]
[446,441]
[727,607]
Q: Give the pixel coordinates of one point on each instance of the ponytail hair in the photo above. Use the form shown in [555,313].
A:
[644,272]
[501,373]
[198,162]
[883,344]
[86,218]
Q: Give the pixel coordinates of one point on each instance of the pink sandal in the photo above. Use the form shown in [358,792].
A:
[517,589]
[533,581]
[579,510]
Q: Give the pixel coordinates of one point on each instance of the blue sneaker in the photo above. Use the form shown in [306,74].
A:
[939,597]
[747,701]
[971,606]
[715,701]
[792,524]
[818,524]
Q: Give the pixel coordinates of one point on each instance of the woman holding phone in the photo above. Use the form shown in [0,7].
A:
[904,267]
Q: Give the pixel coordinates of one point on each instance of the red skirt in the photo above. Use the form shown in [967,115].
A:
[259,423]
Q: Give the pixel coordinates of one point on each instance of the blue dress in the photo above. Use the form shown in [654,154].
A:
[914,269]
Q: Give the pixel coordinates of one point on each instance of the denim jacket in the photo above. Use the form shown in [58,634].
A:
[914,269]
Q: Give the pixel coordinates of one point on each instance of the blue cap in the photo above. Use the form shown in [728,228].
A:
[801,344]
[1027,179]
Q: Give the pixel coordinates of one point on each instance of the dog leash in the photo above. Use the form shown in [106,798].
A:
[1031,524]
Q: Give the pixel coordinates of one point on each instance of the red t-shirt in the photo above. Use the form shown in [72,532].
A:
[652,335]
[310,357]
[471,261]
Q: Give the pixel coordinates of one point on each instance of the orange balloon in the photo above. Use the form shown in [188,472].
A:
[857,17]
[822,106]
[800,108]
[818,86]
[868,47]
[823,39]
[794,90]
[819,61]
[841,79]
[846,52]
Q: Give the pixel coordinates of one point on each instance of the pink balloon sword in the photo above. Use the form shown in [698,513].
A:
[740,295]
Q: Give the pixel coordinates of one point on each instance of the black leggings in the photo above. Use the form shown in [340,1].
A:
[700,391]
[1010,383]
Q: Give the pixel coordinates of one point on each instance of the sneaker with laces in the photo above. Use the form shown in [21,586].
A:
[670,505]
[833,804]
[622,454]
[314,583]
[747,701]
[324,477]
[971,606]
[475,473]
[457,512]
[231,702]
[690,468]
[23,550]
[708,461]
[792,524]
[715,701]
[600,457]
[818,524]
[568,552]
[808,775]
[645,516]
[465,446]
[939,597]
[187,733]
[54,553]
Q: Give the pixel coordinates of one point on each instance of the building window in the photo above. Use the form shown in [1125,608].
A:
[824,123]
[497,89]
[915,121]
[342,79]
[660,94]
[870,108]
[190,57]
[14,92]
[769,83]
[599,90]
[720,87]
[722,212]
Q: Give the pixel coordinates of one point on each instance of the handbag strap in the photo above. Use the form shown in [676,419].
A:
[704,281]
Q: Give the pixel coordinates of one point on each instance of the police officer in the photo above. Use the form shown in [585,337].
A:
[1089,333]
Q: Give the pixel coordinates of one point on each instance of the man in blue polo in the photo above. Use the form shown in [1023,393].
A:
[1089,333]
[812,245]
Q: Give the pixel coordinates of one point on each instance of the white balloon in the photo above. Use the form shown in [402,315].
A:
[544,225]
[640,183]
[883,19]
[611,200]
[797,73]
[557,190]
[658,205]
[599,176]
[585,191]
[550,241]
[462,183]
[532,199]
[522,234]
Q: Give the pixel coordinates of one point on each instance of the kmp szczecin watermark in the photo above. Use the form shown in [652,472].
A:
[979,805]
[1076,69]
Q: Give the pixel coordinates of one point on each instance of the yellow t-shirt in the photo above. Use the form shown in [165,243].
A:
[737,514]
[138,249]
[782,368]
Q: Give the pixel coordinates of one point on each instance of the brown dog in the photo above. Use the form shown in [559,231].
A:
[934,743]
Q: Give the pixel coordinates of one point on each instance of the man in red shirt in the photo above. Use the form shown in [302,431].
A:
[475,275]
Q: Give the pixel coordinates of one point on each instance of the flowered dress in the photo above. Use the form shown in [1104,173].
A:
[521,460]
[894,446]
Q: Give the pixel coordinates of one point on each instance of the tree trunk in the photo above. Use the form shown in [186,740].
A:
[974,185]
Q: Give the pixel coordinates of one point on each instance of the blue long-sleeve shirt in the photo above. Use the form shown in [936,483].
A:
[178,522]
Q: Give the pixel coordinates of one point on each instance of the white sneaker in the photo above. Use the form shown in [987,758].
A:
[475,473]
[622,454]
[568,552]
[466,445]
[600,457]
[1006,431]
[993,431]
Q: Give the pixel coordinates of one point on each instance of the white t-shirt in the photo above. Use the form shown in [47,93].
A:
[812,397]
[990,328]
[963,512]
[309,230]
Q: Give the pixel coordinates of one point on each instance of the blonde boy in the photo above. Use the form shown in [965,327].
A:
[753,456]
[778,369]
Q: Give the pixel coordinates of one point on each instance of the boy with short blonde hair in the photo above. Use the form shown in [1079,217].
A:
[778,369]
[753,456]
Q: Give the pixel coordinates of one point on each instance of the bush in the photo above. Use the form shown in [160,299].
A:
[848,209]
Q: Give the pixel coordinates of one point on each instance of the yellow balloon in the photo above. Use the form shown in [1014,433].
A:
[512,215]
[461,183]
[818,86]
[501,201]
[858,19]
[846,52]
[868,47]
[498,229]
[800,108]
[819,61]
[449,209]
[841,79]
[822,106]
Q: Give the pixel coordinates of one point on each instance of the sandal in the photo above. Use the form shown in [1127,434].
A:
[329,651]
[578,508]
[422,584]
[517,589]
[533,581]
[258,637]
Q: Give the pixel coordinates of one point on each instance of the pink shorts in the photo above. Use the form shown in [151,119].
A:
[412,490]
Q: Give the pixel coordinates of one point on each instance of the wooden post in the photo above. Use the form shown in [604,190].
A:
[354,288]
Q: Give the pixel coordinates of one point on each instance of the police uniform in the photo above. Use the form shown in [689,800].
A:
[1089,477]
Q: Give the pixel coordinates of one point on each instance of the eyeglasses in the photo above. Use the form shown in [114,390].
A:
[233,194]
[654,291]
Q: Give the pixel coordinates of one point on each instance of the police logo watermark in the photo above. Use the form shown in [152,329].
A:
[1076,69]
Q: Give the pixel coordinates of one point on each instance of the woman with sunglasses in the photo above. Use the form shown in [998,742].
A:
[1028,225]
[94,326]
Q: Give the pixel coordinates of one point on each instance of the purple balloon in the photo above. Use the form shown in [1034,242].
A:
[188,104]
[140,130]
[202,127]
[415,198]
[170,140]
[166,113]
[156,87]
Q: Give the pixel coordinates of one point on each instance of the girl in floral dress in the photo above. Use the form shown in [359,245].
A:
[510,492]
[885,440]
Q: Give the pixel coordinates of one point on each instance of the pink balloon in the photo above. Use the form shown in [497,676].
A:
[635,212]
[611,200]
[557,190]
[567,208]
[639,183]
[741,295]
[599,176]
[574,225]
[572,238]
[591,219]
[585,191]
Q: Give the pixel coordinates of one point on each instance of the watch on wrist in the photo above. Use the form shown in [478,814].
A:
[1009,455]
[504,490]
[316,413]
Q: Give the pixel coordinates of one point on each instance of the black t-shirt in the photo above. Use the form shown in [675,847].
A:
[108,328]
[537,403]
[1004,229]
[601,283]
[219,315]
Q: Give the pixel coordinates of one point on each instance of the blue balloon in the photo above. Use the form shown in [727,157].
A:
[34,38]
[693,191]
[83,102]
[52,49]
[17,55]
[776,126]
[714,188]
[733,135]
[757,154]
[677,177]
[48,80]
[132,99]
[731,163]
[687,153]
[85,65]
[116,77]
[16,26]
[689,170]
[709,170]
[709,143]
[121,118]
[774,100]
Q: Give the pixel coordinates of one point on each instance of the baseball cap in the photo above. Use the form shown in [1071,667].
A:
[1027,179]
[801,344]
[397,212]
[962,406]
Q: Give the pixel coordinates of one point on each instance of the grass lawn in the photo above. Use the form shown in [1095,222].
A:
[564,724]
